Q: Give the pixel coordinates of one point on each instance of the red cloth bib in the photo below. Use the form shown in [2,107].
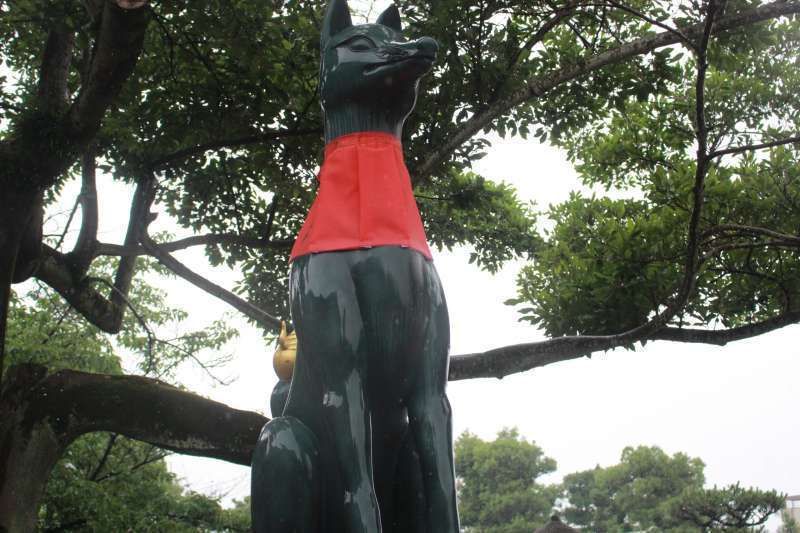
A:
[364,199]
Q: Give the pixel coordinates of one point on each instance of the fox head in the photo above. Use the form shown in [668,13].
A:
[369,73]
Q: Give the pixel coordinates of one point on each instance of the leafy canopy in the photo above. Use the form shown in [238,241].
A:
[650,490]
[500,491]
[497,483]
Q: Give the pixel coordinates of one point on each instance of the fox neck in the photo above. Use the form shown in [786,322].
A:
[356,117]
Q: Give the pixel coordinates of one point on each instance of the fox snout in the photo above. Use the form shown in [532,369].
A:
[408,60]
[422,48]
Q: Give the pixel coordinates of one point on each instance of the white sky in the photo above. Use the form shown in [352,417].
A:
[734,407]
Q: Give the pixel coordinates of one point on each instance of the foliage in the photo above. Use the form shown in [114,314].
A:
[468,207]
[730,508]
[497,487]
[652,491]
[43,329]
[608,264]
[105,482]
[131,490]
[499,491]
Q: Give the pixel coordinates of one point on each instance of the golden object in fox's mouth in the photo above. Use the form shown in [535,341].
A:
[285,354]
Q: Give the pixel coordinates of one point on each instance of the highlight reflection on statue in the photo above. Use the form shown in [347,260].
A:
[363,443]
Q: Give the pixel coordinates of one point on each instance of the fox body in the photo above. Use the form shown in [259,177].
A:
[364,443]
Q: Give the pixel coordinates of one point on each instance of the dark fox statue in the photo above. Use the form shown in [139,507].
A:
[364,442]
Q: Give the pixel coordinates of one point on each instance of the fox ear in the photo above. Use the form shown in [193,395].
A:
[337,18]
[391,18]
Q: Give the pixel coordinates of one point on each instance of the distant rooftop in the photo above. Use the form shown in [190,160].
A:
[793,498]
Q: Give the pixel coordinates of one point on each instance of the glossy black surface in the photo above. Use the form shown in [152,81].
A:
[369,384]
[285,479]
[277,400]
[366,429]
[369,78]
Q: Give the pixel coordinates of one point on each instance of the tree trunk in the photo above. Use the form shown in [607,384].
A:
[41,414]
[29,449]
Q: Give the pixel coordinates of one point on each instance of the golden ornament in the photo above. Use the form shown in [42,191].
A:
[285,355]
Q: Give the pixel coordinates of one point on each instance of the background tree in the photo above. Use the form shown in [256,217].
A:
[652,491]
[497,483]
[499,490]
[210,109]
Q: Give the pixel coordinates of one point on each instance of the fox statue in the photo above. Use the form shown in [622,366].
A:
[364,441]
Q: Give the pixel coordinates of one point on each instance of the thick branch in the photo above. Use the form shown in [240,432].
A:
[84,251]
[501,362]
[241,305]
[139,218]
[41,148]
[195,240]
[55,70]
[56,271]
[147,410]
[117,47]
[537,87]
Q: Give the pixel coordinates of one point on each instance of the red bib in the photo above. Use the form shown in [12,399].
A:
[364,199]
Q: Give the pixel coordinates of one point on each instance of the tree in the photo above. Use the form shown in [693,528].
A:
[648,490]
[497,487]
[652,491]
[632,494]
[210,110]
[104,481]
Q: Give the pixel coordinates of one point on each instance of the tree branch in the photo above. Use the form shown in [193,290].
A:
[112,438]
[752,231]
[147,410]
[117,47]
[195,240]
[501,362]
[27,158]
[53,91]
[56,271]
[638,14]
[753,147]
[84,251]
[251,311]
[539,86]
[724,336]
[560,15]
[139,218]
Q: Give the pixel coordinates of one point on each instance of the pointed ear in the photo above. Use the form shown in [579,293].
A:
[391,18]
[337,18]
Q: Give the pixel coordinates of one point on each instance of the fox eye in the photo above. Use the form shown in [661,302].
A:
[360,45]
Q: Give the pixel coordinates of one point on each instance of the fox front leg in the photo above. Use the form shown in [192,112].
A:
[286,479]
